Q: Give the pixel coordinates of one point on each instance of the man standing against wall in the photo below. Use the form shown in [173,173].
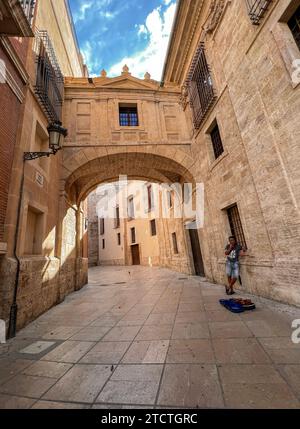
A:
[233,251]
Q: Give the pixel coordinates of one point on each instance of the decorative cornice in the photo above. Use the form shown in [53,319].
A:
[191,30]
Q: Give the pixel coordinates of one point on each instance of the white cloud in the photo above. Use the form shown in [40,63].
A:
[157,27]
[142,29]
[89,58]
[80,15]
[98,6]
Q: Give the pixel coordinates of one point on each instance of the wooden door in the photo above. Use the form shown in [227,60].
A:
[135,253]
[197,254]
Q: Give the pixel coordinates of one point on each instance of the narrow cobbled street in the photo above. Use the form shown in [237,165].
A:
[150,337]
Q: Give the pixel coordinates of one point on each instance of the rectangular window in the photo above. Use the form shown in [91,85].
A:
[153,227]
[130,208]
[34,232]
[149,196]
[170,199]
[103,243]
[175,245]
[133,236]
[294,25]
[236,225]
[257,9]
[200,87]
[117,218]
[102,226]
[119,239]
[128,115]
[217,141]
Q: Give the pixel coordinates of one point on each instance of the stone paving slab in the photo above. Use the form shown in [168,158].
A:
[191,385]
[81,384]
[153,338]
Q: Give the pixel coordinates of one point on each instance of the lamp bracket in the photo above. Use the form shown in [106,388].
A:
[30,156]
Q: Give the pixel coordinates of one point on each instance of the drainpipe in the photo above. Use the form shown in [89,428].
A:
[12,328]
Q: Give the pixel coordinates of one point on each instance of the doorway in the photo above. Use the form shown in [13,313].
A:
[135,254]
[196,251]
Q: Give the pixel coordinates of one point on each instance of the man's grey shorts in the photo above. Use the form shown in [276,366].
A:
[232,269]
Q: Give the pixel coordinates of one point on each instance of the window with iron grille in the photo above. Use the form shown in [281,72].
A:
[28,8]
[216,141]
[236,225]
[257,9]
[153,227]
[128,116]
[200,87]
[49,86]
[294,24]
[117,218]
[149,196]
[133,235]
[102,228]
[130,209]
[175,244]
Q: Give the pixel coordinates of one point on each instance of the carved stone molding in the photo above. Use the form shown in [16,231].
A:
[184,97]
[216,11]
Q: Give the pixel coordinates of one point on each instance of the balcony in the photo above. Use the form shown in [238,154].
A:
[257,9]
[16,17]
[49,87]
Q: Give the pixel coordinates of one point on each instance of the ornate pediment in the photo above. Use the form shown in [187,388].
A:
[124,81]
[127,82]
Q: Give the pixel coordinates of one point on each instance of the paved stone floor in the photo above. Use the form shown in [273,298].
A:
[141,337]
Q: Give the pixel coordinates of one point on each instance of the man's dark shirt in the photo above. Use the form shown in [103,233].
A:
[235,253]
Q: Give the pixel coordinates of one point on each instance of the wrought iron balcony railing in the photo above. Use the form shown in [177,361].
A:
[257,9]
[28,8]
[49,86]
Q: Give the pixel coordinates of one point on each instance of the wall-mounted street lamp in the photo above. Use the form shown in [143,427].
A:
[56,137]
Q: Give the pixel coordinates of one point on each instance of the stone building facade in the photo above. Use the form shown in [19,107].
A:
[256,106]
[15,30]
[226,114]
[30,233]
[134,232]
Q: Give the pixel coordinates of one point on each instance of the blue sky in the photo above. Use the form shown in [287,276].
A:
[114,32]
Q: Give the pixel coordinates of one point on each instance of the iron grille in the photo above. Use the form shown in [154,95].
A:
[117,218]
[133,236]
[257,9]
[175,244]
[128,117]
[102,226]
[49,86]
[217,141]
[294,24]
[236,225]
[28,8]
[153,227]
[200,87]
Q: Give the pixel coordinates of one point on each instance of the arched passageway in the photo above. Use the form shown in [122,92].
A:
[135,165]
